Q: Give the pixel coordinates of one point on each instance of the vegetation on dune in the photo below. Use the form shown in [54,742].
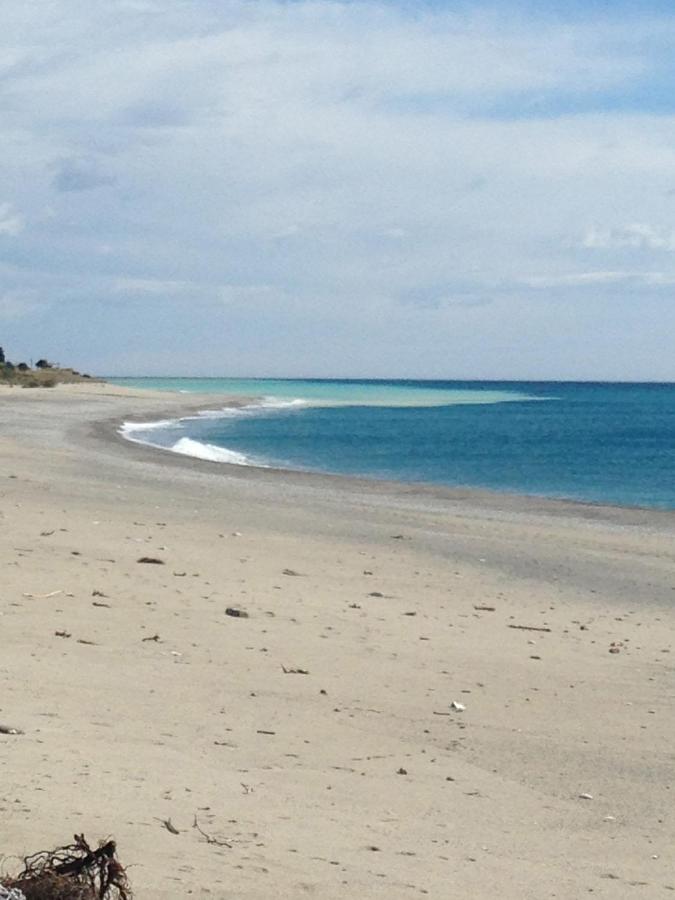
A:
[44,374]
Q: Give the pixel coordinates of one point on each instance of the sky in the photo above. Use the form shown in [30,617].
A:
[332,189]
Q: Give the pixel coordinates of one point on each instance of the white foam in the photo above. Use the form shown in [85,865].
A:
[187,447]
[129,427]
[280,403]
[264,403]
[225,413]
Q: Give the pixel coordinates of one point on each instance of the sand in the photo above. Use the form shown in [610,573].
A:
[141,700]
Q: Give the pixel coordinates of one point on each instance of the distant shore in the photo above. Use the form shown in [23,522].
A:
[317,736]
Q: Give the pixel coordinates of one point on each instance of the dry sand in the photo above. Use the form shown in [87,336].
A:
[142,701]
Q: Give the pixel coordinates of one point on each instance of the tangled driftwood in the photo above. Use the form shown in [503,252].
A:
[73,872]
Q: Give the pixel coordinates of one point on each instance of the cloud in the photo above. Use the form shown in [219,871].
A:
[599,279]
[333,169]
[81,175]
[14,304]
[636,236]
[11,223]
[251,294]
[148,286]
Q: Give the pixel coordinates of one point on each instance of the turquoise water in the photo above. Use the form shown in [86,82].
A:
[359,393]
[609,443]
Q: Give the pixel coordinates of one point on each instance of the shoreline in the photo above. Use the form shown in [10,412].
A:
[483,497]
[316,735]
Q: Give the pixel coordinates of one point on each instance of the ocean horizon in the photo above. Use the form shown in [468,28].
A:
[599,442]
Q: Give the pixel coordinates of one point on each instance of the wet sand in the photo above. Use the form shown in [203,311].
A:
[314,742]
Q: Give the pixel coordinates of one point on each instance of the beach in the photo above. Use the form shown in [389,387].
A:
[432,692]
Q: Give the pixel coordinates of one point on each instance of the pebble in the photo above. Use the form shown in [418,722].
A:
[236,613]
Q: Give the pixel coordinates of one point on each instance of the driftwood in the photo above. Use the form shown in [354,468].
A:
[530,628]
[73,872]
[209,838]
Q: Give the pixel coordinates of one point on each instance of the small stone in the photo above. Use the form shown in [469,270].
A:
[236,613]
[457,706]
[585,796]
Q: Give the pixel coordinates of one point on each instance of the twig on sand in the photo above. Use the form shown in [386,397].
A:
[152,560]
[294,671]
[168,824]
[209,838]
[42,596]
[7,729]
[530,628]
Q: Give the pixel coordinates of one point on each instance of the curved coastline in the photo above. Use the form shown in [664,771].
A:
[483,499]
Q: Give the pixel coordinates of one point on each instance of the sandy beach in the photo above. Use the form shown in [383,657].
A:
[432,692]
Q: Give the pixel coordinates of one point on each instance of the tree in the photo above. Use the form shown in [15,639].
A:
[43,364]
[23,367]
[2,355]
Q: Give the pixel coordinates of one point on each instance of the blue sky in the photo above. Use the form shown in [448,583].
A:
[320,188]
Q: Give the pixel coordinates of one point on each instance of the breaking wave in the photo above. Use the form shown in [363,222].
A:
[189,447]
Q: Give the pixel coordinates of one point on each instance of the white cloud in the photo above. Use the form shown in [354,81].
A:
[637,236]
[250,294]
[15,304]
[148,286]
[599,278]
[328,164]
[11,223]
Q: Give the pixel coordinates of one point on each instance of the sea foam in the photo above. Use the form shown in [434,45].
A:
[128,428]
[188,447]
[137,433]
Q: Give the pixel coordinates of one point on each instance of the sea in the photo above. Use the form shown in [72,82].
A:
[593,442]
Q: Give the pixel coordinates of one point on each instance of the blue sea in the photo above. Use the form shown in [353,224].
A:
[607,443]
